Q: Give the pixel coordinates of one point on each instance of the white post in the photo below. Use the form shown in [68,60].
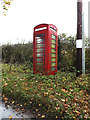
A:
[89,20]
[83,45]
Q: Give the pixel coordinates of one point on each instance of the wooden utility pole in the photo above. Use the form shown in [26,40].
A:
[79,38]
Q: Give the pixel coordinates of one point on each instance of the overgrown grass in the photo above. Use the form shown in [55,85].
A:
[60,96]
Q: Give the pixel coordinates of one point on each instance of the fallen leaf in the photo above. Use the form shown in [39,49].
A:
[18,109]
[75,99]
[12,102]
[85,111]
[7,106]
[5,98]
[25,84]
[80,78]
[46,93]
[10,117]
[74,117]
[25,103]
[71,89]
[86,94]
[17,104]
[5,84]
[23,109]
[31,98]
[52,96]
[77,112]
[15,85]
[5,101]
[85,91]
[63,100]
[36,109]
[55,99]
[3,95]
[81,91]
[39,104]
[63,90]
[26,88]
[38,114]
[56,117]
[85,116]
[70,85]
[42,116]
[56,108]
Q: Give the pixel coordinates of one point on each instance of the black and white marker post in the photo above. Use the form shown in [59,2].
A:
[79,38]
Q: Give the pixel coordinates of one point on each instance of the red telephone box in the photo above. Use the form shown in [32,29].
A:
[45,48]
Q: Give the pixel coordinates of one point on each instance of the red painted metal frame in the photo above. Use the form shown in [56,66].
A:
[48,31]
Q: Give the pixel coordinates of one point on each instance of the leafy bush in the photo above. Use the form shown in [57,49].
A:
[23,53]
[67,53]
[59,96]
[19,53]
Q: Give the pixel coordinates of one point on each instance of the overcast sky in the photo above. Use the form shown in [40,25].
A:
[24,15]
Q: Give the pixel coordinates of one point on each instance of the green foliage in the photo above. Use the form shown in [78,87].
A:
[7,52]
[67,53]
[19,53]
[23,53]
[59,96]
[87,60]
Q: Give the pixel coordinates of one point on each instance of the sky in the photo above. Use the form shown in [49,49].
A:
[24,15]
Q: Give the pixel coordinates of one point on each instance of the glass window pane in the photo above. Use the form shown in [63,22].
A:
[53,50]
[53,59]
[53,64]
[39,40]
[39,54]
[53,55]
[54,41]
[39,45]
[40,64]
[53,45]
[39,68]
[53,36]
[39,50]
[39,59]
[52,68]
